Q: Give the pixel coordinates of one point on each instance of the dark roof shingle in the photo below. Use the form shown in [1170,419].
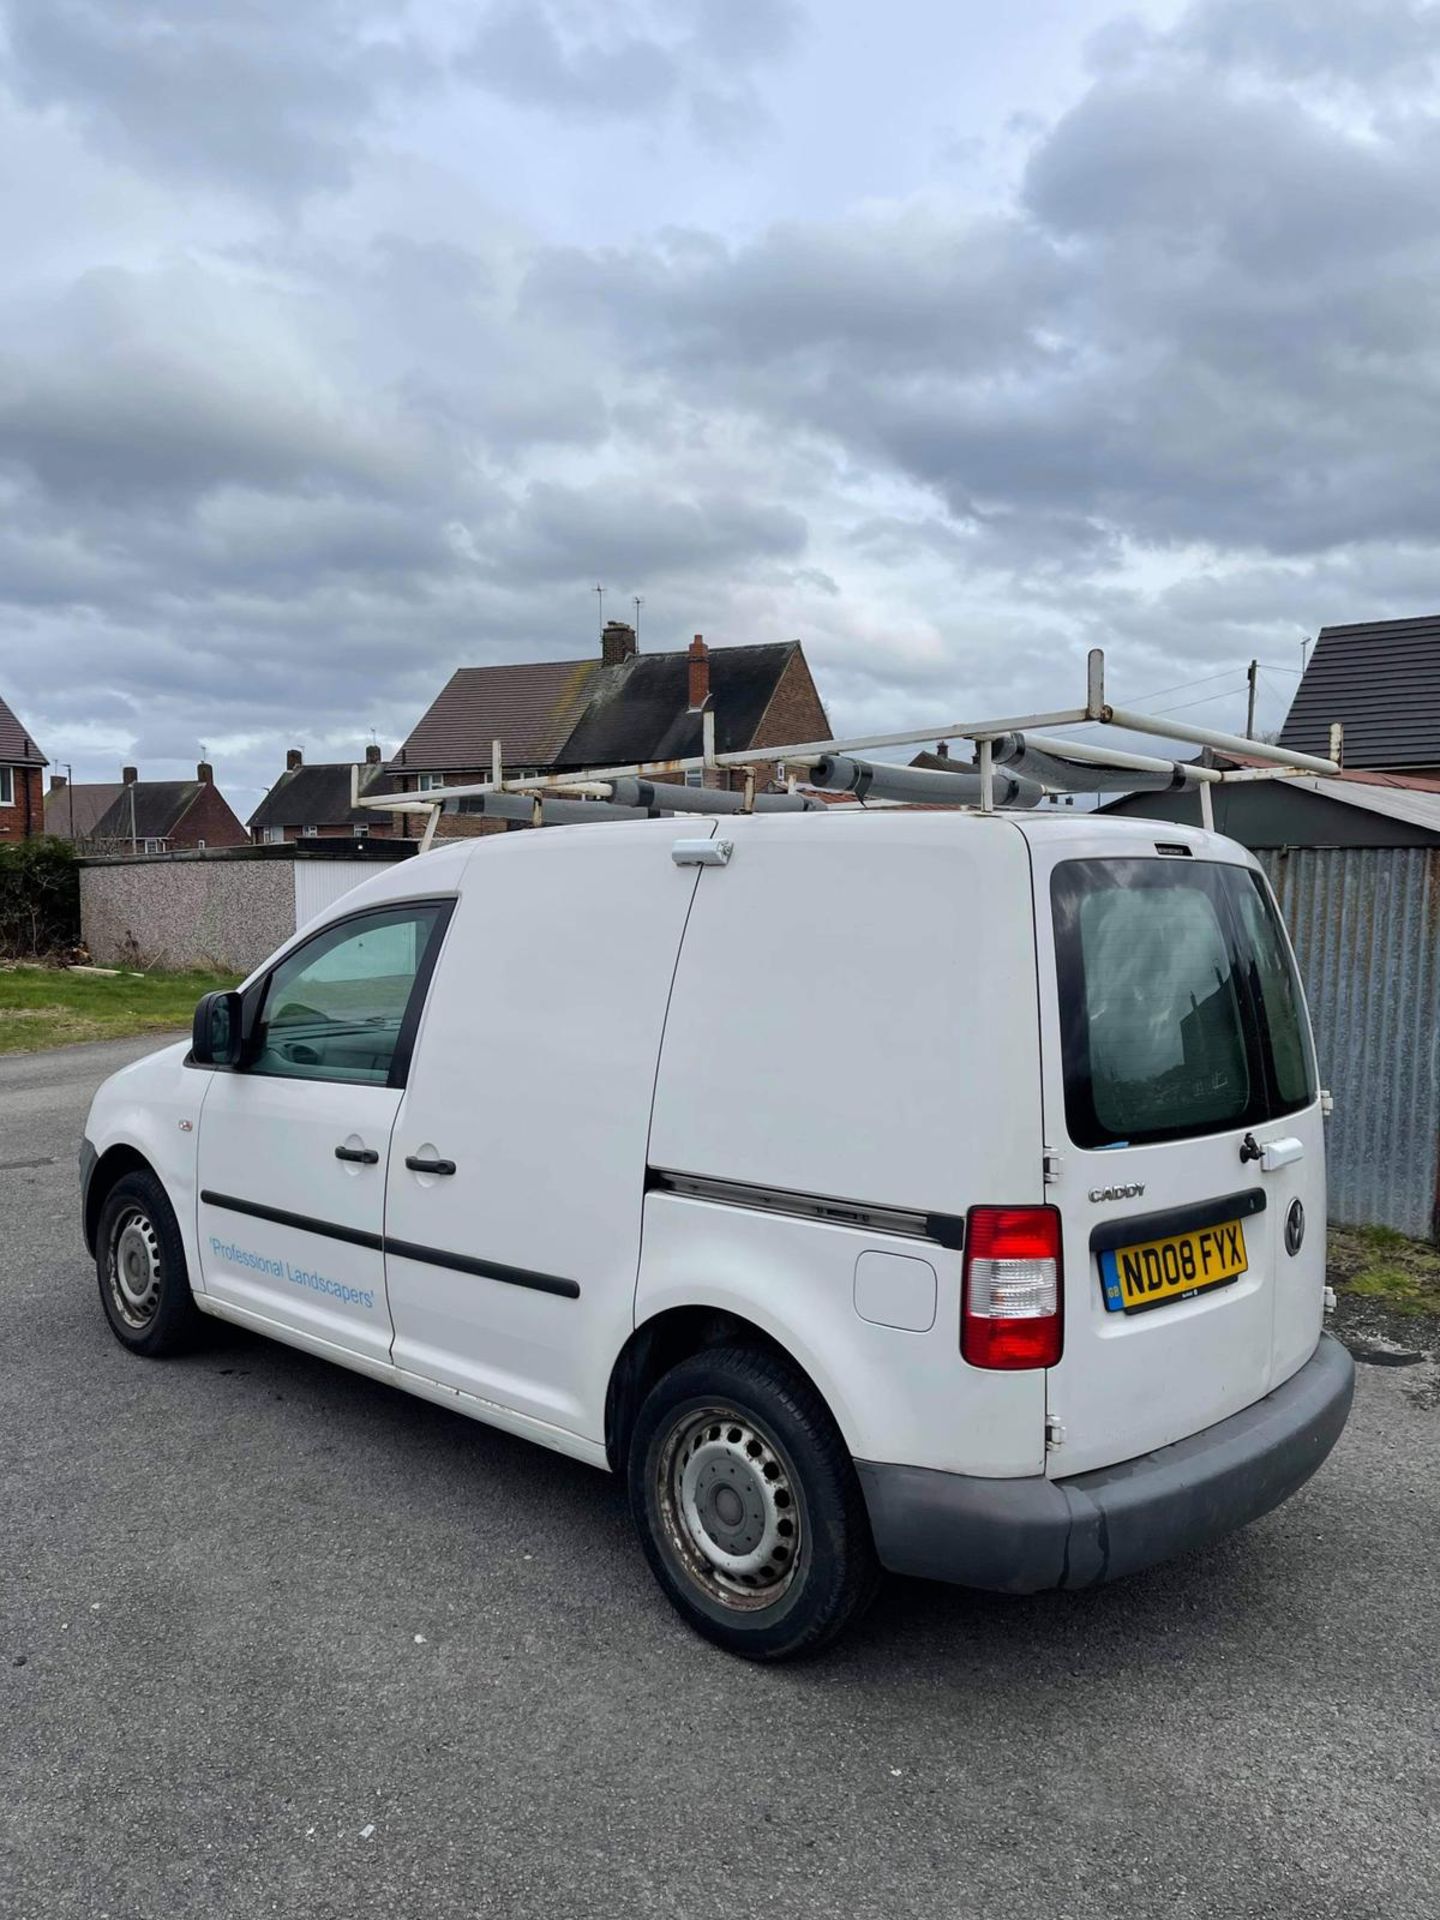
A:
[639,710]
[1381,680]
[529,708]
[317,796]
[159,807]
[17,749]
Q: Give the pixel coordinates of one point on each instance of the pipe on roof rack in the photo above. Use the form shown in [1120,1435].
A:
[1055,770]
[841,773]
[553,813]
[628,791]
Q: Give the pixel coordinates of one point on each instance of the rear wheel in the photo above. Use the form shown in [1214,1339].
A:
[140,1263]
[748,1506]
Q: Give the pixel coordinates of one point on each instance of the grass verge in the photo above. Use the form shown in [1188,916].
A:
[1380,1268]
[42,1007]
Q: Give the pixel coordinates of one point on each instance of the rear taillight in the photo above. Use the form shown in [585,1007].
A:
[1011,1312]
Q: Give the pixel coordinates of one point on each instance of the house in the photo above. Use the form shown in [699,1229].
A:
[559,716]
[1381,680]
[143,816]
[22,808]
[313,803]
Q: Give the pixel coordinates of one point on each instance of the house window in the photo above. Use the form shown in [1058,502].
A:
[309,833]
[154,846]
[274,836]
[428,781]
[695,776]
[199,846]
[361,833]
[7,786]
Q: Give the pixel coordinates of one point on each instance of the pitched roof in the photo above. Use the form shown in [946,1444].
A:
[317,796]
[1381,679]
[640,710]
[529,708]
[75,811]
[159,807]
[17,749]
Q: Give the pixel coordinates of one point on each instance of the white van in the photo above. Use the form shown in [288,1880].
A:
[933,1191]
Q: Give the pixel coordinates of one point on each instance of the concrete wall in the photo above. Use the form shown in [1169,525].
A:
[229,914]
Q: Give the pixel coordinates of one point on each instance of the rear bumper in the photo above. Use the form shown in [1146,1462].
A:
[1022,1536]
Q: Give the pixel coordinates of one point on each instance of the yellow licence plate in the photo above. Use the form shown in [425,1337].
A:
[1158,1271]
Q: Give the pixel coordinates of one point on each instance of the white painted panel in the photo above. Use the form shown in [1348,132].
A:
[533,1073]
[320,883]
[854,1014]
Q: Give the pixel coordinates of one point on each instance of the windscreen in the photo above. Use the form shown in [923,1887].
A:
[1180,1010]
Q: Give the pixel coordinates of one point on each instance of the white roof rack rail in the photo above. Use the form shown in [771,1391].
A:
[1016,765]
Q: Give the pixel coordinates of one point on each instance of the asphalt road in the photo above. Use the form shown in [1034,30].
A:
[276,1639]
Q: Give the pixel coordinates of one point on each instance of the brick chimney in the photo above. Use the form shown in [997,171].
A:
[129,775]
[372,755]
[58,782]
[294,760]
[942,750]
[699,673]
[617,643]
[205,773]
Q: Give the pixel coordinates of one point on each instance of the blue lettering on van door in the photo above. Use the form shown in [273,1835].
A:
[307,1277]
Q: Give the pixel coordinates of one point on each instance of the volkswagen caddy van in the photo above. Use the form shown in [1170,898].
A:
[933,1191]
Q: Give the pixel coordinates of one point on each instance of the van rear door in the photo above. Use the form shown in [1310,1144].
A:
[1183,1125]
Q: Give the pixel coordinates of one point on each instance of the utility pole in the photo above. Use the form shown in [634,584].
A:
[1250,675]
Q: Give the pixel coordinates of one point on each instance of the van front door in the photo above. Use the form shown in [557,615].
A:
[294,1144]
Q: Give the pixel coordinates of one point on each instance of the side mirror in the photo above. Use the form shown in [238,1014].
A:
[216,1039]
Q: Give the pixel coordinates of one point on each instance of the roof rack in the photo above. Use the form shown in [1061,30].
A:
[1011,769]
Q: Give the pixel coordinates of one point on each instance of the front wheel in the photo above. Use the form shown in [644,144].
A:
[748,1506]
[140,1263]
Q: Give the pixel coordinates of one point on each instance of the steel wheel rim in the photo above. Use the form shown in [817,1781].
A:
[133,1269]
[730,1508]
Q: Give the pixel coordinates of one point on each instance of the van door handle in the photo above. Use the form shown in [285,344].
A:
[1281,1153]
[366,1156]
[417,1165]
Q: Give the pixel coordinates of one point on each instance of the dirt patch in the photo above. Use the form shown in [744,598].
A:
[1387,1304]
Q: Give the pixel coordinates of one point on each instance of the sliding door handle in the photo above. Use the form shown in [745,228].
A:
[418,1165]
[363,1156]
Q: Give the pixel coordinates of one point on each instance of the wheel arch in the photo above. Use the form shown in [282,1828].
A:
[662,1342]
[112,1165]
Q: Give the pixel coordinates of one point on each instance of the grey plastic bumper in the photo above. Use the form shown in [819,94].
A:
[1022,1536]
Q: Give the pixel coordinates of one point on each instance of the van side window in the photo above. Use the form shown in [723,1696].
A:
[336,1008]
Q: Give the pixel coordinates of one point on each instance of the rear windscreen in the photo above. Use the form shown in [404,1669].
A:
[1180,1011]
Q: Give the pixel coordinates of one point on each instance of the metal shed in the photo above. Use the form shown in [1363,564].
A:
[1355,865]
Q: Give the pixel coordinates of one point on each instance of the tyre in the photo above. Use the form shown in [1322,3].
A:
[140,1263]
[748,1506]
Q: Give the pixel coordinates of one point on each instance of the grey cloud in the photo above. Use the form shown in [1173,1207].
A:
[632,59]
[247,93]
[1355,42]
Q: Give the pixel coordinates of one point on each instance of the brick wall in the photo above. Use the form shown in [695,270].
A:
[209,818]
[27,817]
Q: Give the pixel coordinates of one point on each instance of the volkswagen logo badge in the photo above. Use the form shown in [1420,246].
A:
[1294,1227]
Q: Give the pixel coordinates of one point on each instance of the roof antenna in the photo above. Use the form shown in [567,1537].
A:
[638,604]
[600,596]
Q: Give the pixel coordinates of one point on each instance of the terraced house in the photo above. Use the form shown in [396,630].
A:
[132,815]
[558,716]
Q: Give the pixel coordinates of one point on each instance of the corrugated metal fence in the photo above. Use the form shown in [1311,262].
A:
[1366,926]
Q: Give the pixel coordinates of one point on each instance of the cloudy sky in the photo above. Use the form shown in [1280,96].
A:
[343,342]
